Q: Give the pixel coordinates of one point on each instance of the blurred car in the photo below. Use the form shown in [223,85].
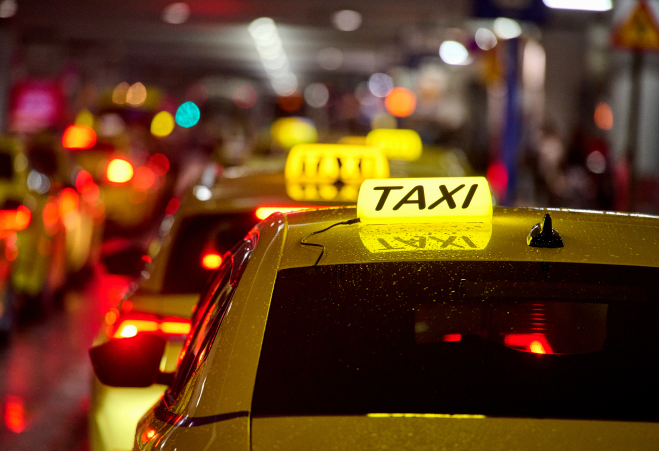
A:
[192,246]
[46,228]
[425,318]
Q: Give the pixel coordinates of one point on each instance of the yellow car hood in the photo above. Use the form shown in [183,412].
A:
[362,433]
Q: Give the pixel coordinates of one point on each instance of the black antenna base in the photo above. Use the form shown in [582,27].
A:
[544,235]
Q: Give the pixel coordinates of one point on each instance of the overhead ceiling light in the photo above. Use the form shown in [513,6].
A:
[506,28]
[346,20]
[273,57]
[176,13]
[583,5]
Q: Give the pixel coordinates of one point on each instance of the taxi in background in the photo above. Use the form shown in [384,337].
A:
[45,228]
[192,245]
[425,318]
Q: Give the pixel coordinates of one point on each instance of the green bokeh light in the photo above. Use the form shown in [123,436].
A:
[187,115]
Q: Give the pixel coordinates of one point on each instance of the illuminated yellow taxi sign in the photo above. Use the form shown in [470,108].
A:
[329,192]
[397,144]
[425,200]
[331,163]
[472,236]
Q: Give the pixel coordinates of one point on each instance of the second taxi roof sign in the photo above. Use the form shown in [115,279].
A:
[425,200]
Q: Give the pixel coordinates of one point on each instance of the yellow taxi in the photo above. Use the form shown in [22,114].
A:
[192,245]
[424,318]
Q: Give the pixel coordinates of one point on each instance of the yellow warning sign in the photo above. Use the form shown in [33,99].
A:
[639,31]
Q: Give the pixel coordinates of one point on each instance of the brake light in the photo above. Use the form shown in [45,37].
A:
[264,212]
[133,324]
[211,261]
[78,137]
[535,343]
[119,171]
[17,219]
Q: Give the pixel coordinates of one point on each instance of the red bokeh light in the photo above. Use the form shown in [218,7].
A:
[78,137]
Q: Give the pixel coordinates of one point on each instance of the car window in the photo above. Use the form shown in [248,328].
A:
[509,339]
[196,237]
[209,312]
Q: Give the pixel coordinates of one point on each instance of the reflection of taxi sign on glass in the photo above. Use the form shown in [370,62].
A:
[425,200]
[457,236]
[332,172]
[397,144]
[330,163]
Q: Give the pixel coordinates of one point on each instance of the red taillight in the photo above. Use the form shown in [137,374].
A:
[68,202]
[17,219]
[535,343]
[133,324]
[78,137]
[119,171]
[144,178]
[264,212]
[211,261]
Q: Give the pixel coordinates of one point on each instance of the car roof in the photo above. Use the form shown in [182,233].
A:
[609,238]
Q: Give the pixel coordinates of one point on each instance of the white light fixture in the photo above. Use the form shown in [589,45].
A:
[454,53]
[346,20]
[583,5]
[273,57]
[506,28]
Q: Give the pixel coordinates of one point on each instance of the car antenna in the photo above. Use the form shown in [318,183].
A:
[322,251]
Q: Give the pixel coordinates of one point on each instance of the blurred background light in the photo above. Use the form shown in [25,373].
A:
[144,178]
[596,162]
[380,84]
[383,120]
[110,125]
[584,5]
[78,137]
[159,164]
[346,20]
[176,13]
[400,102]
[84,117]
[119,171]
[603,116]
[38,182]
[330,58]
[290,103]
[119,93]
[289,131]
[454,53]
[162,124]
[485,39]
[245,96]
[136,95]
[8,9]
[202,193]
[187,115]
[506,28]
[273,57]
[316,95]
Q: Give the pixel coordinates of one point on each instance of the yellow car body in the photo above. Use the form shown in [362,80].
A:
[221,398]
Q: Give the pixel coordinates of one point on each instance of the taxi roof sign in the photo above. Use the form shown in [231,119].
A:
[397,144]
[639,31]
[330,163]
[425,200]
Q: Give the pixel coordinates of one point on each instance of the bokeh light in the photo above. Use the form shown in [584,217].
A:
[289,131]
[78,137]
[454,53]
[119,93]
[245,96]
[383,120]
[346,20]
[8,9]
[380,84]
[401,102]
[110,125]
[290,103]
[485,39]
[136,95]
[144,178]
[316,95]
[603,116]
[596,162]
[211,261]
[330,58]
[84,117]
[159,164]
[188,115]
[162,124]
[176,13]
[119,171]
[507,28]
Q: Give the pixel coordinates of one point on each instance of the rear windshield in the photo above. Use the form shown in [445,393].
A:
[199,236]
[487,338]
